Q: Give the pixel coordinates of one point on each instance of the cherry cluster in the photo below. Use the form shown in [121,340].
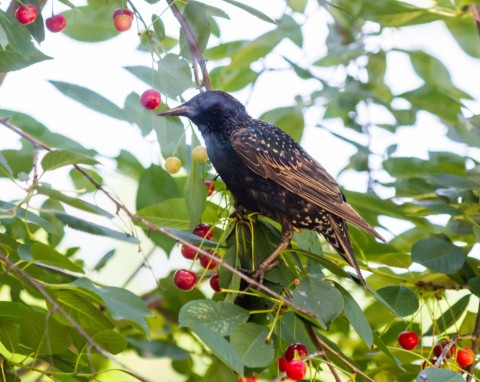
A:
[464,356]
[185,279]
[292,362]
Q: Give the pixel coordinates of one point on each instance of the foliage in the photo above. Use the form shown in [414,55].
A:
[59,322]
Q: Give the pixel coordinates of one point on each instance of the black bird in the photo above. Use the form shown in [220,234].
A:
[268,172]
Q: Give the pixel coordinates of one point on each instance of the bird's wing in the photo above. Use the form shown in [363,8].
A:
[272,154]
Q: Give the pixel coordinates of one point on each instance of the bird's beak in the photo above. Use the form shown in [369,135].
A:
[182,110]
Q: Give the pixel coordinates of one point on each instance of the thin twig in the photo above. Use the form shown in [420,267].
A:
[194,48]
[475,342]
[313,336]
[41,289]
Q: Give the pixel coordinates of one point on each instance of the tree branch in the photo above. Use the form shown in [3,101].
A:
[475,9]
[41,289]
[194,48]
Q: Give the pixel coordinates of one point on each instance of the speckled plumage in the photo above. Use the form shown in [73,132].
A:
[268,172]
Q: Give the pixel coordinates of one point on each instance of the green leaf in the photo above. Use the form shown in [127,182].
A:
[172,213]
[253,11]
[158,348]
[94,229]
[111,341]
[195,195]
[450,316]
[43,334]
[438,375]
[464,32]
[175,75]
[231,79]
[402,301]
[104,260]
[171,137]
[219,317]
[356,317]
[220,347]
[58,158]
[155,186]
[158,27]
[438,255]
[9,334]
[289,119]
[90,99]
[430,69]
[19,38]
[10,60]
[248,341]
[120,303]
[195,14]
[74,202]
[81,310]
[91,23]
[43,254]
[9,211]
[320,298]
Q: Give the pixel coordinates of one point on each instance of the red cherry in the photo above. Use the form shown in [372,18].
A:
[465,357]
[215,282]
[122,23]
[296,369]
[437,350]
[210,187]
[185,280]
[408,340]
[207,262]
[188,252]
[282,364]
[295,351]
[150,99]
[56,23]
[26,14]
[203,230]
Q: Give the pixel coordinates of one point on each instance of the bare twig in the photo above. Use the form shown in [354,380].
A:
[9,265]
[475,343]
[194,48]
[313,336]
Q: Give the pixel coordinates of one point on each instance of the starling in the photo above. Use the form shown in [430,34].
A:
[268,172]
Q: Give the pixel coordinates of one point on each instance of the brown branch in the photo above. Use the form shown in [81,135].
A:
[475,343]
[194,48]
[9,265]
[313,336]
[475,9]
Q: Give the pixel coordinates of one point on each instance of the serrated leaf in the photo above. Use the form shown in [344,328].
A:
[220,347]
[44,335]
[94,229]
[402,301]
[320,298]
[438,255]
[356,317]
[9,210]
[111,341]
[195,195]
[90,99]
[450,316]
[253,11]
[44,254]
[172,213]
[120,303]
[219,317]
[248,341]
[81,310]
[74,202]
[156,186]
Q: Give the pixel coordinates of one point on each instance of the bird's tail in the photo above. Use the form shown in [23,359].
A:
[337,236]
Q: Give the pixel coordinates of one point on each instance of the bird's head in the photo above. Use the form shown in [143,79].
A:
[212,111]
